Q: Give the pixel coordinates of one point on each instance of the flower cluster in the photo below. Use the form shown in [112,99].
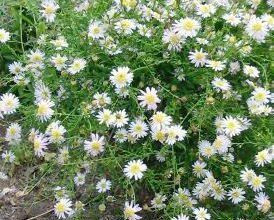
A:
[149,108]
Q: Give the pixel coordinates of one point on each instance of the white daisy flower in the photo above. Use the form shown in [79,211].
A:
[159,134]
[59,62]
[129,4]
[101,100]
[63,155]
[201,214]
[135,168]
[236,195]
[257,29]
[106,117]
[199,168]
[158,201]
[263,202]
[4,36]
[232,19]
[44,110]
[149,98]
[198,58]
[62,208]
[180,217]
[79,179]
[95,146]
[231,126]
[220,84]
[269,20]
[256,183]
[215,65]
[96,30]
[187,27]
[247,175]
[222,144]
[138,128]
[160,120]
[121,77]
[205,10]
[60,43]
[130,210]
[41,92]
[77,65]
[121,135]
[206,149]
[234,67]
[13,134]
[160,156]
[175,133]
[40,143]
[9,103]
[263,157]
[49,10]
[121,118]
[173,39]
[36,57]
[143,30]
[261,95]
[103,185]
[251,71]
[125,26]
[16,68]
[217,191]
[56,132]
[8,156]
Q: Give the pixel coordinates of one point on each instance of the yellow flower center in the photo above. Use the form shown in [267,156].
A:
[125,24]
[121,77]
[199,56]
[205,8]
[188,25]
[76,65]
[129,212]
[42,109]
[95,146]
[150,99]
[135,168]
[129,3]
[138,128]
[9,103]
[60,207]
[96,30]
[12,131]
[260,96]
[56,134]
[217,143]
[160,136]
[235,194]
[36,144]
[49,10]
[256,181]
[257,27]
[37,58]
[59,61]
[174,39]
[231,125]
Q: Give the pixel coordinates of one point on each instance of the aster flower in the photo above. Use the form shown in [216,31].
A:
[62,208]
[130,210]
[103,185]
[135,168]
[4,36]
